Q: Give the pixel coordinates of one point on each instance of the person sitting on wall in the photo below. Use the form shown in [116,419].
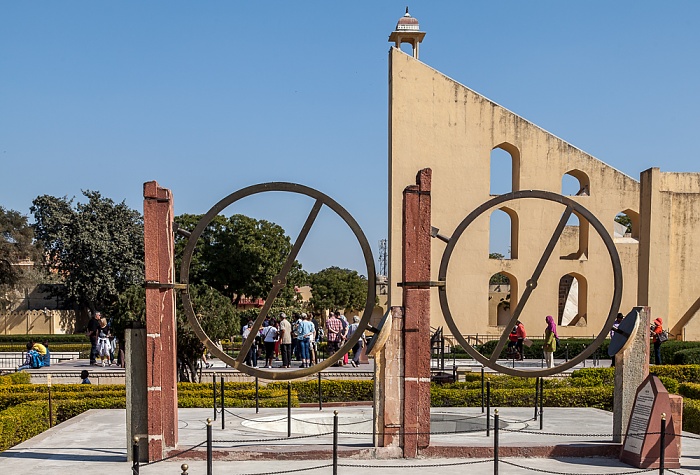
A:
[43,351]
[32,358]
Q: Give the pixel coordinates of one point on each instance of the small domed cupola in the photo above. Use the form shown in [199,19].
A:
[407,31]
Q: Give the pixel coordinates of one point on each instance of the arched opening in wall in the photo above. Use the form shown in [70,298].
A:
[406,48]
[573,300]
[573,242]
[505,169]
[626,226]
[502,286]
[503,234]
[575,183]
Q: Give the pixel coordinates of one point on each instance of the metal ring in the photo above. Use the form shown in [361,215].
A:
[320,198]
[614,258]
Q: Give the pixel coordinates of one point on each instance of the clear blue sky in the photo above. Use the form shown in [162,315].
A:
[209,97]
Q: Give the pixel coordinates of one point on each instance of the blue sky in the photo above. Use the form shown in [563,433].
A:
[209,97]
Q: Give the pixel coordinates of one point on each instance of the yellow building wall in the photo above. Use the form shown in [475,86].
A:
[437,123]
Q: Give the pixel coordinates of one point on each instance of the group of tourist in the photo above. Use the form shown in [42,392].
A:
[298,339]
[103,342]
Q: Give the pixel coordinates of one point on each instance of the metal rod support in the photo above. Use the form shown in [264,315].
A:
[541,403]
[488,408]
[289,408]
[213,384]
[320,396]
[209,449]
[662,445]
[495,442]
[223,405]
[537,395]
[257,395]
[335,442]
[482,389]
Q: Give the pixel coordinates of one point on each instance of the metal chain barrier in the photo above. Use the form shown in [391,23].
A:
[290,471]
[541,470]
[427,465]
[173,455]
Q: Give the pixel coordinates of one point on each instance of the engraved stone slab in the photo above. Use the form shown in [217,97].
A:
[643,439]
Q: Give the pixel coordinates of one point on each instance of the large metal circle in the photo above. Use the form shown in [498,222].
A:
[614,259]
[321,199]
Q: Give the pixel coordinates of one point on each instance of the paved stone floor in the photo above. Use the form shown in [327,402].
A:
[95,442]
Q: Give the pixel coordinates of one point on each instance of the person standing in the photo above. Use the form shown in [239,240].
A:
[305,334]
[521,334]
[93,330]
[615,326]
[656,331]
[357,349]
[550,341]
[269,334]
[251,359]
[334,327]
[285,340]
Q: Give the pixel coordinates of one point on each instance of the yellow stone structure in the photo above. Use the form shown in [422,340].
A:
[436,122]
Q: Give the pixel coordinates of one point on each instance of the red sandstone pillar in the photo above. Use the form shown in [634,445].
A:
[416,301]
[161,340]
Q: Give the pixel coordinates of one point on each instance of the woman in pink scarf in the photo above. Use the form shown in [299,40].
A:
[550,341]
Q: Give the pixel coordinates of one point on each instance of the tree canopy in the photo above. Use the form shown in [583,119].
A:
[240,256]
[96,247]
[216,315]
[16,244]
[334,288]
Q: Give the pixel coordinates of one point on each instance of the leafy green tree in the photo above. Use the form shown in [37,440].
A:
[498,279]
[96,247]
[625,221]
[16,244]
[334,288]
[239,256]
[216,315]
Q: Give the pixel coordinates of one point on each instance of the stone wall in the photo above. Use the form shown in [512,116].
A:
[37,322]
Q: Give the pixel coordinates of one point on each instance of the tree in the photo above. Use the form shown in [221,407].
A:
[216,315]
[338,288]
[240,256]
[16,244]
[625,221]
[498,279]
[96,247]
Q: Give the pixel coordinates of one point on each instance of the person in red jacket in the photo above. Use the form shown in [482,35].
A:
[521,334]
[656,331]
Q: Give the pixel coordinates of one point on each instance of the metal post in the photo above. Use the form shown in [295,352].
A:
[335,442]
[184,467]
[223,406]
[50,403]
[442,351]
[567,352]
[662,442]
[135,457]
[209,448]
[257,395]
[320,397]
[488,408]
[482,389]
[537,395]
[495,442]
[541,402]
[213,383]
[289,408]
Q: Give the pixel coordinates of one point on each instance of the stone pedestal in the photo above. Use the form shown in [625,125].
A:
[389,366]
[160,362]
[631,368]
[137,393]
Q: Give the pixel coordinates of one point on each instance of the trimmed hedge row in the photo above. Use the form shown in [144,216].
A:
[14,378]
[74,338]
[689,390]
[505,382]
[689,356]
[331,391]
[691,415]
[599,397]
[22,422]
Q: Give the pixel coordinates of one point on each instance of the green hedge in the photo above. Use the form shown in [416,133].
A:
[22,422]
[23,339]
[691,415]
[505,382]
[681,373]
[536,351]
[15,378]
[671,347]
[599,397]
[685,357]
[689,390]
[331,391]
